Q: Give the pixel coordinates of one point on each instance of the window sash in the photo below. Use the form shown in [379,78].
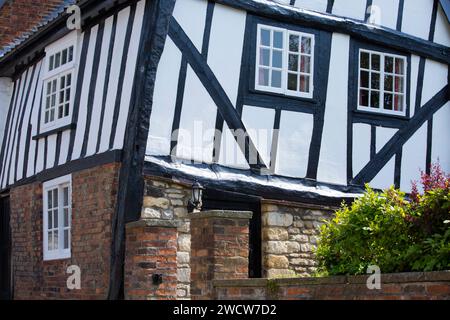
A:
[51,112]
[284,69]
[57,220]
[382,83]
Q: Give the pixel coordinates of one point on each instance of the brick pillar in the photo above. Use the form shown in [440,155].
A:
[219,249]
[151,250]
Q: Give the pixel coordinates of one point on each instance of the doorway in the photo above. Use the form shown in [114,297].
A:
[224,200]
[5,249]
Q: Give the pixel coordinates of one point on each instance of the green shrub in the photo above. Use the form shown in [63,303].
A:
[386,230]
[373,231]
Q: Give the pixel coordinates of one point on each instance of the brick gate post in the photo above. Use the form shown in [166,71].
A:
[219,249]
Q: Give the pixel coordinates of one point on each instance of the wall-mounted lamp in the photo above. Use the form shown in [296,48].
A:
[197,195]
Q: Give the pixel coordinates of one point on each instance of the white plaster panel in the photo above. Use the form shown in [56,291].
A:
[191,15]
[435,78]
[333,153]
[383,135]
[225,47]
[440,150]
[417,18]
[388,11]
[259,124]
[442,31]
[413,158]
[164,99]
[355,9]
[294,143]
[385,178]
[230,152]
[316,5]
[361,146]
[414,78]
[6,89]
[197,123]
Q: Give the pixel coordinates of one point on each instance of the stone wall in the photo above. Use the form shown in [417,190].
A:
[166,199]
[289,234]
[403,286]
[94,195]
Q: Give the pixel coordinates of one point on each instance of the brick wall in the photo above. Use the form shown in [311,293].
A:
[406,286]
[94,194]
[20,16]
[167,200]
[289,235]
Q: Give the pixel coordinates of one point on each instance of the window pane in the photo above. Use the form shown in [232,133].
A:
[47,114]
[388,101]
[276,79]
[49,199]
[398,103]
[364,98]
[306,45]
[365,57]
[50,240]
[265,37]
[55,219]
[304,83]
[399,84]
[50,220]
[67,94]
[66,217]
[51,63]
[263,77]
[70,58]
[66,196]
[278,40]
[69,79]
[365,79]
[66,110]
[399,66]
[277,59]
[63,82]
[264,58]
[294,43]
[293,62]
[389,64]
[57,60]
[55,240]
[375,81]
[64,56]
[374,99]
[49,88]
[292,82]
[54,85]
[305,64]
[375,62]
[60,112]
[66,239]
[52,113]
[61,97]
[388,83]
[55,198]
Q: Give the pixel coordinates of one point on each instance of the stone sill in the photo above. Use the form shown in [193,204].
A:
[438,276]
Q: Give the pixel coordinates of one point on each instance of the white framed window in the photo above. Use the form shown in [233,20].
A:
[57,203]
[284,61]
[59,83]
[382,82]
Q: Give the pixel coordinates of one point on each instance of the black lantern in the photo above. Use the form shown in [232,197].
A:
[197,194]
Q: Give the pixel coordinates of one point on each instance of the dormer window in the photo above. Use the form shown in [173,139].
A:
[284,61]
[59,84]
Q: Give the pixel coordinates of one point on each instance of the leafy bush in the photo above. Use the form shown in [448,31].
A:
[387,230]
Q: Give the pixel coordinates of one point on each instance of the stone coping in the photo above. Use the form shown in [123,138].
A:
[154,223]
[223,214]
[438,276]
[299,205]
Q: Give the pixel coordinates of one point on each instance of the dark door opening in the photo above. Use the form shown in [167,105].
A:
[5,250]
[224,200]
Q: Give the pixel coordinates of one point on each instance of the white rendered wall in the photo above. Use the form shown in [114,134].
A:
[417,18]
[316,5]
[361,146]
[435,78]
[191,15]
[388,10]
[355,9]
[414,158]
[442,31]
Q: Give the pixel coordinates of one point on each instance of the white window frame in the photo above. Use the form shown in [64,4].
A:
[56,73]
[284,70]
[381,109]
[57,184]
